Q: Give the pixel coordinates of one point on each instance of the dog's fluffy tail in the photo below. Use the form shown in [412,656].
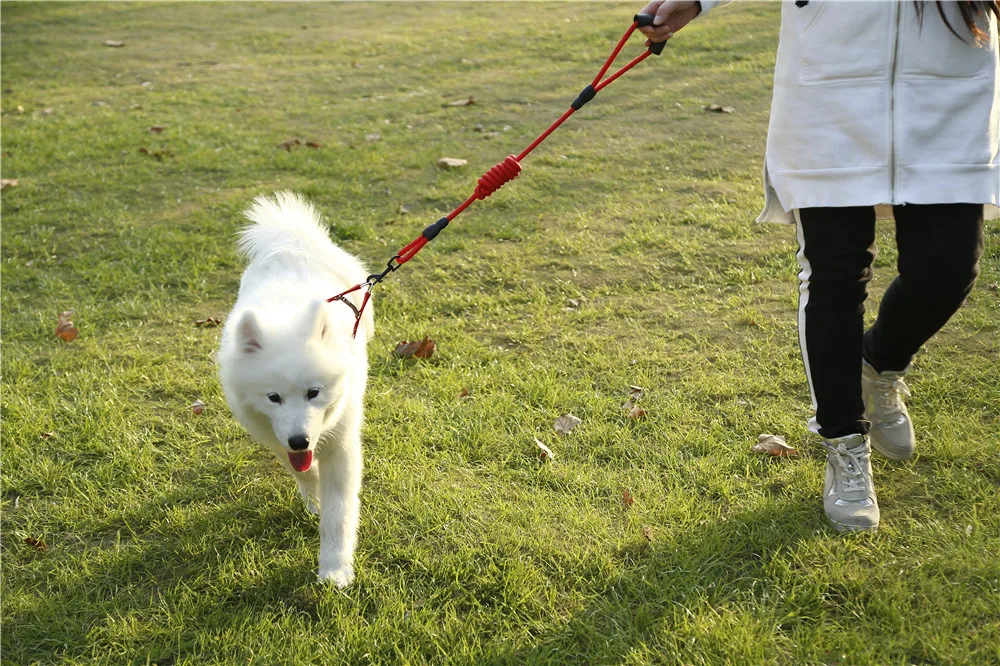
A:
[283,224]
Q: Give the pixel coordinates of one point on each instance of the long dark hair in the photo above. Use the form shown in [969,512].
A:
[971,10]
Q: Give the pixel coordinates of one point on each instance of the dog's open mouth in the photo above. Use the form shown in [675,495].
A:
[301,460]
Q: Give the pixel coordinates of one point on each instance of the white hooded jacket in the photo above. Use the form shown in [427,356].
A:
[873,105]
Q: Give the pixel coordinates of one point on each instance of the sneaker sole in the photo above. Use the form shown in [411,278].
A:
[841,527]
[886,453]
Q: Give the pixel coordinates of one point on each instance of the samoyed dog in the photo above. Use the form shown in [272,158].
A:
[291,370]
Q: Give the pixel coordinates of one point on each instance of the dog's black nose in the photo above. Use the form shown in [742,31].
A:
[298,442]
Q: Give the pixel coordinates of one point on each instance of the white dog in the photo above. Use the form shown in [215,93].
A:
[292,372]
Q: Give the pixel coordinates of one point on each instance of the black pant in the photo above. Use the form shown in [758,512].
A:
[939,248]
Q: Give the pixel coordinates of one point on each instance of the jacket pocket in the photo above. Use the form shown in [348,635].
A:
[841,40]
[927,48]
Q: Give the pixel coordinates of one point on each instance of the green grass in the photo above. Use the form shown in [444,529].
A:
[174,539]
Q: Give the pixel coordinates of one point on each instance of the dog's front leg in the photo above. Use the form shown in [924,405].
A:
[339,485]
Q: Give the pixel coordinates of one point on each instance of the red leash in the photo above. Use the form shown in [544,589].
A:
[502,173]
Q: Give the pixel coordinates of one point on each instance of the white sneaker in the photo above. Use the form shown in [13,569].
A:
[892,430]
[849,493]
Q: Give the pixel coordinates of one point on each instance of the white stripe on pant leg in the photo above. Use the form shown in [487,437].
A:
[804,276]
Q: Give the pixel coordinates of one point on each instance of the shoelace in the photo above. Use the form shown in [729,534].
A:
[890,394]
[853,463]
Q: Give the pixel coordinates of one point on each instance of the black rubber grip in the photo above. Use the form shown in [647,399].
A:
[585,96]
[643,21]
[433,230]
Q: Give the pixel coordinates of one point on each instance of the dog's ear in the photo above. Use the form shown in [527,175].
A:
[318,320]
[249,334]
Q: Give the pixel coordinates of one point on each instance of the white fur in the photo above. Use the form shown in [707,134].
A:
[283,338]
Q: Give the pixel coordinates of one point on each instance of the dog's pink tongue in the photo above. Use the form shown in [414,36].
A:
[301,460]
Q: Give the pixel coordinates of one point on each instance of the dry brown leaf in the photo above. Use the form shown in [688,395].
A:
[113,43]
[197,407]
[47,435]
[637,412]
[627,498]
[635,392]
[209,321]
[8,182]
[565,424]
[451,163]
[287,145]
[463,102]
[65,329]
[314,144]
[647,532]
[157,129]
[417,349]
[719,108]
[773,445]
[464,393]
[37,544]
[545,453]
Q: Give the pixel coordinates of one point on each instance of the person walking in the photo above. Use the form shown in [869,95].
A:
[885,102]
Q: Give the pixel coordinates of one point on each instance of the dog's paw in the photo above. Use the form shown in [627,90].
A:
[341,577]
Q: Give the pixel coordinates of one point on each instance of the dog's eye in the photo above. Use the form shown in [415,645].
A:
[312,393]
[274,397]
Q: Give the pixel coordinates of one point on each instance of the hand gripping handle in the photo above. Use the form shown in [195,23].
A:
[644,20]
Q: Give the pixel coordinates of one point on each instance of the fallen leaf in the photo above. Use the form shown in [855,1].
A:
[773,445]
[314,144]
[417,349]
[627,498]
[574,303]
[565,424]
[371,138]
[451,163]
[635,392]
[37,544]
[287,145]
[113,43]
[65,329]
[47,435]
[157,129]
[8,182]
[464,393]
[158,154]
[545,453]
[719,108]
[463,102]
[647,532]
[637,412]
[197,407]
[210,321]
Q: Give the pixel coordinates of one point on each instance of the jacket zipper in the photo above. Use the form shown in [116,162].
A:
[892,103]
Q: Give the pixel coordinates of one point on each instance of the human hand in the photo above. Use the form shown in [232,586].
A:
[670,16]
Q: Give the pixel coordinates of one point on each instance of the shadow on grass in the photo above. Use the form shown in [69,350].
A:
[695,578]
[187,579]
[179,576]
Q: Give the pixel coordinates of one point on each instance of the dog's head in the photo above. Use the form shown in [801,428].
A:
[296,373]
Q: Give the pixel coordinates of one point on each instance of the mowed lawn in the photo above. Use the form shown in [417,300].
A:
[135,531]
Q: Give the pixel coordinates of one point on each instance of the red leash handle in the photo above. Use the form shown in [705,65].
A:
[506,171]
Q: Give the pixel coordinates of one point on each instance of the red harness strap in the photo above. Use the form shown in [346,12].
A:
[502,173]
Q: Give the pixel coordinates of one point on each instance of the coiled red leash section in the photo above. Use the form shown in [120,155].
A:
[502,173]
